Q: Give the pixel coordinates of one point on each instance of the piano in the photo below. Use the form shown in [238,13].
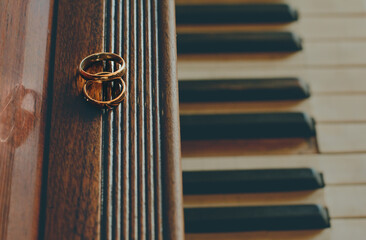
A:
[273,119]
[273,130]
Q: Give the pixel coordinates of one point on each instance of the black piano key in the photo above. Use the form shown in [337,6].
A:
[249,181]
[266,218]
[246,126]
[235,13]
[230,90]
[236,42]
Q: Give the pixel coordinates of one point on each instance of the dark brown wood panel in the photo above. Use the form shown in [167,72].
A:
[25,34]
[74,172]
[116,174]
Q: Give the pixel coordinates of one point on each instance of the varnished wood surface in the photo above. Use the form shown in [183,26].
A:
[170,123]
[74,168]
[25,34]
[116,174]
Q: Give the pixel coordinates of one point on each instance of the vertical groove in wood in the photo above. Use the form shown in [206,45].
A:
[116,234]
[126,189]
[156,124]
[150,211]
[110,137]
[133,116]
[141,120]
[106,143]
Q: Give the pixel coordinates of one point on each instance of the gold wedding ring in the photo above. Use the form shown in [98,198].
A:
[103,77]
[109,103]
[99,57]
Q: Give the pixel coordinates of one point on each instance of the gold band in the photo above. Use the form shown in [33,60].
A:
[98,57]
[110,103]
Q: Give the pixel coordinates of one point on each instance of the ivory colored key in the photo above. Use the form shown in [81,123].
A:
[341,138]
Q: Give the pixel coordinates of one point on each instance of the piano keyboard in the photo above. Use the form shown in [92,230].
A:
[273,119]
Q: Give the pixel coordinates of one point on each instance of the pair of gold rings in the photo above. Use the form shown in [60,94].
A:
[103,77]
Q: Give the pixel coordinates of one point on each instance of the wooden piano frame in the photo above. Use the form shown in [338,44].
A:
[67,169]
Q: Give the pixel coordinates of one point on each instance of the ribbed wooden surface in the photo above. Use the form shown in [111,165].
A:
[132,175]
[116,174]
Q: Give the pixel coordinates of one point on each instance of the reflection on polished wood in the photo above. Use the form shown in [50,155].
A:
[18,115]
[25,28]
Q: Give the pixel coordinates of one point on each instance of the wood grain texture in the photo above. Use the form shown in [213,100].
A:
[116,174]
[170,124]
[25,34]
[74,172]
